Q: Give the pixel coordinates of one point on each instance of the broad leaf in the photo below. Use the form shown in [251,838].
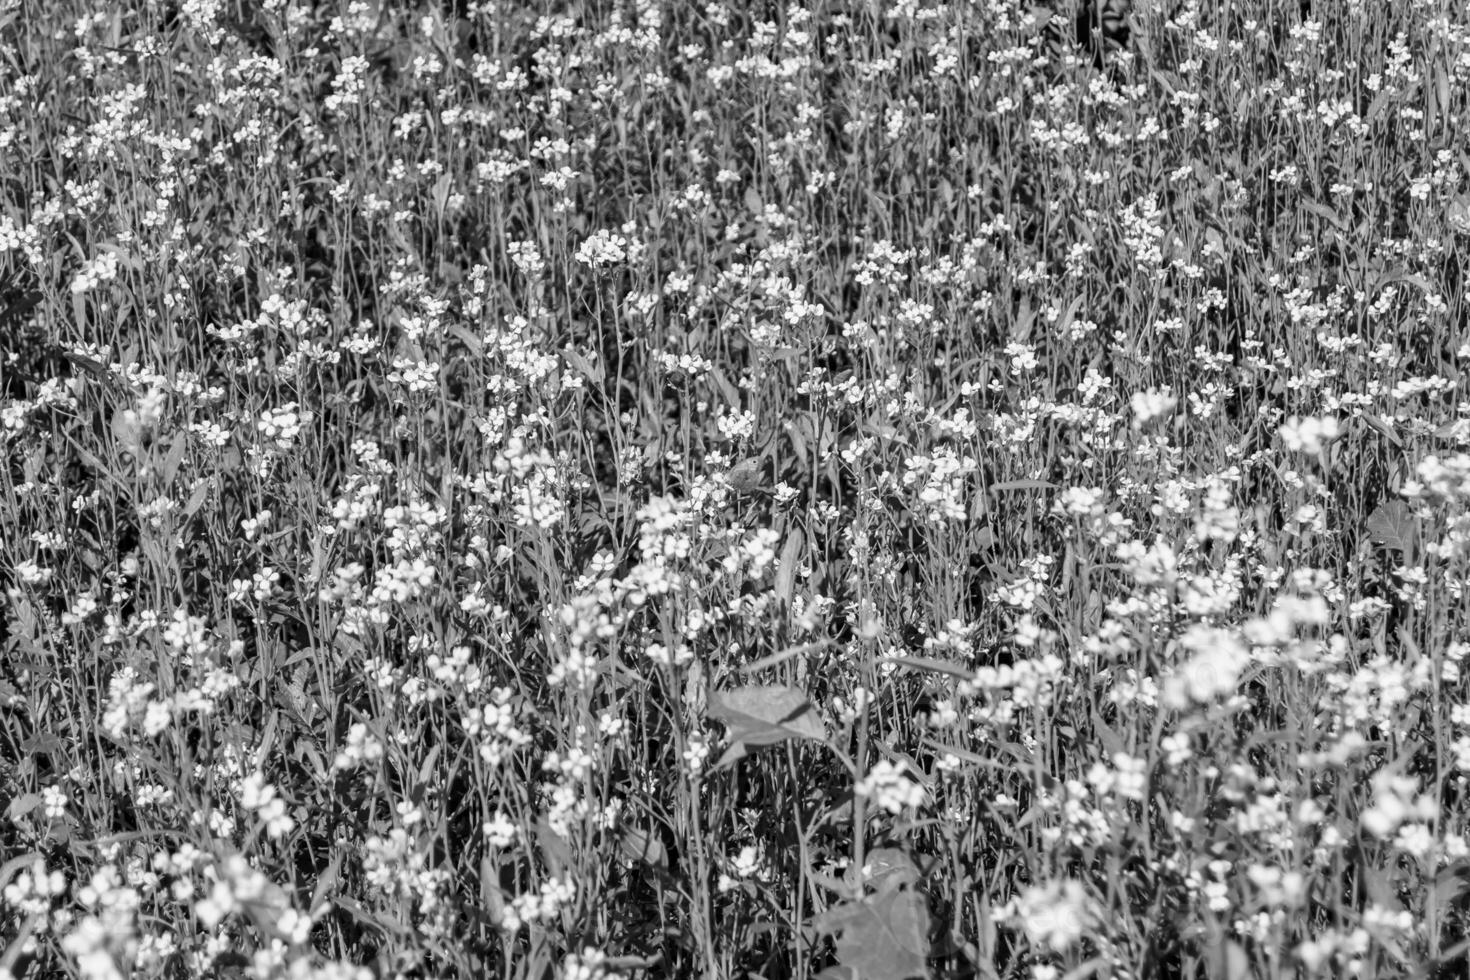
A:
[639,846]
[1393,525]
[886,868]
[760,715]
[22,805]
[882,937]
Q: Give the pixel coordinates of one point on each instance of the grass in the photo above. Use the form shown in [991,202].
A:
[671,490]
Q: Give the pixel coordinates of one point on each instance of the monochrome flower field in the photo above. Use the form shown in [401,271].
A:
[602,489]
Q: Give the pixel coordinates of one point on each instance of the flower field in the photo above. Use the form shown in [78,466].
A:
[866,490]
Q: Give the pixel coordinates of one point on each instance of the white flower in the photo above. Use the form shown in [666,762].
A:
[281,425]
[1150,405]
[1396,801]
[601,250]
[748,862]
[1308,435]
[1217,659]
[890,787]
[1055,915]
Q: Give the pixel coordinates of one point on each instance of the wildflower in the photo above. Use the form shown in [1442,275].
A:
[282,425]
[1054,916]
[95,949]
[53,801]
[417,376]
[349,83]
[748,862]
[1149,406]
[745,865]
[1128,779]
[402,581]
[258,795]
[34,889]
[31,573]
[1308,435]
[602,250]
[99,270]
[1216,660]
[1396,802]
[1440,480]
[590,964]
[891,788]
[695,754]
[500,832]
[941,481]
[1218,520]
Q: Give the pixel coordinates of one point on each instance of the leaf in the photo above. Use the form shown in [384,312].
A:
[1236,961]
[127,430]
[1459,215]
[1393,525]
[1069,315]
[781,656]
[889,867]
[1451,883]
[1325,213]
[18,864]
[555,850]
[1383,428]
[1006,485]
[1215,241]
[43,743]
[22,805]
[786,570]
[291,695]
[1043,15]
[379,921]
[196,498]
[882,937]
[760,715]
[930,664]
[584,366]
[1457,431]
[1087,969]
[324,884]
[1111,740]
[426,771]
[971,758]
[491,897]
[175,458]
[745,477]
[639,846]
[465,336]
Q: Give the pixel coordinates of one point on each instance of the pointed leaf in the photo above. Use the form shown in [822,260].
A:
[786,570]
[760,715]
[885,937]
[639,846]
[1237,961]
[930,664]
[555,850]
[888,867]
[781,656]
[491,897]
[1393,525]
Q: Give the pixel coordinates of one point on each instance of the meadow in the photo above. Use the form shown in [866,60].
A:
[629,489]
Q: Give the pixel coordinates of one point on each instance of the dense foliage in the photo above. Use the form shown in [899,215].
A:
[663,489]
